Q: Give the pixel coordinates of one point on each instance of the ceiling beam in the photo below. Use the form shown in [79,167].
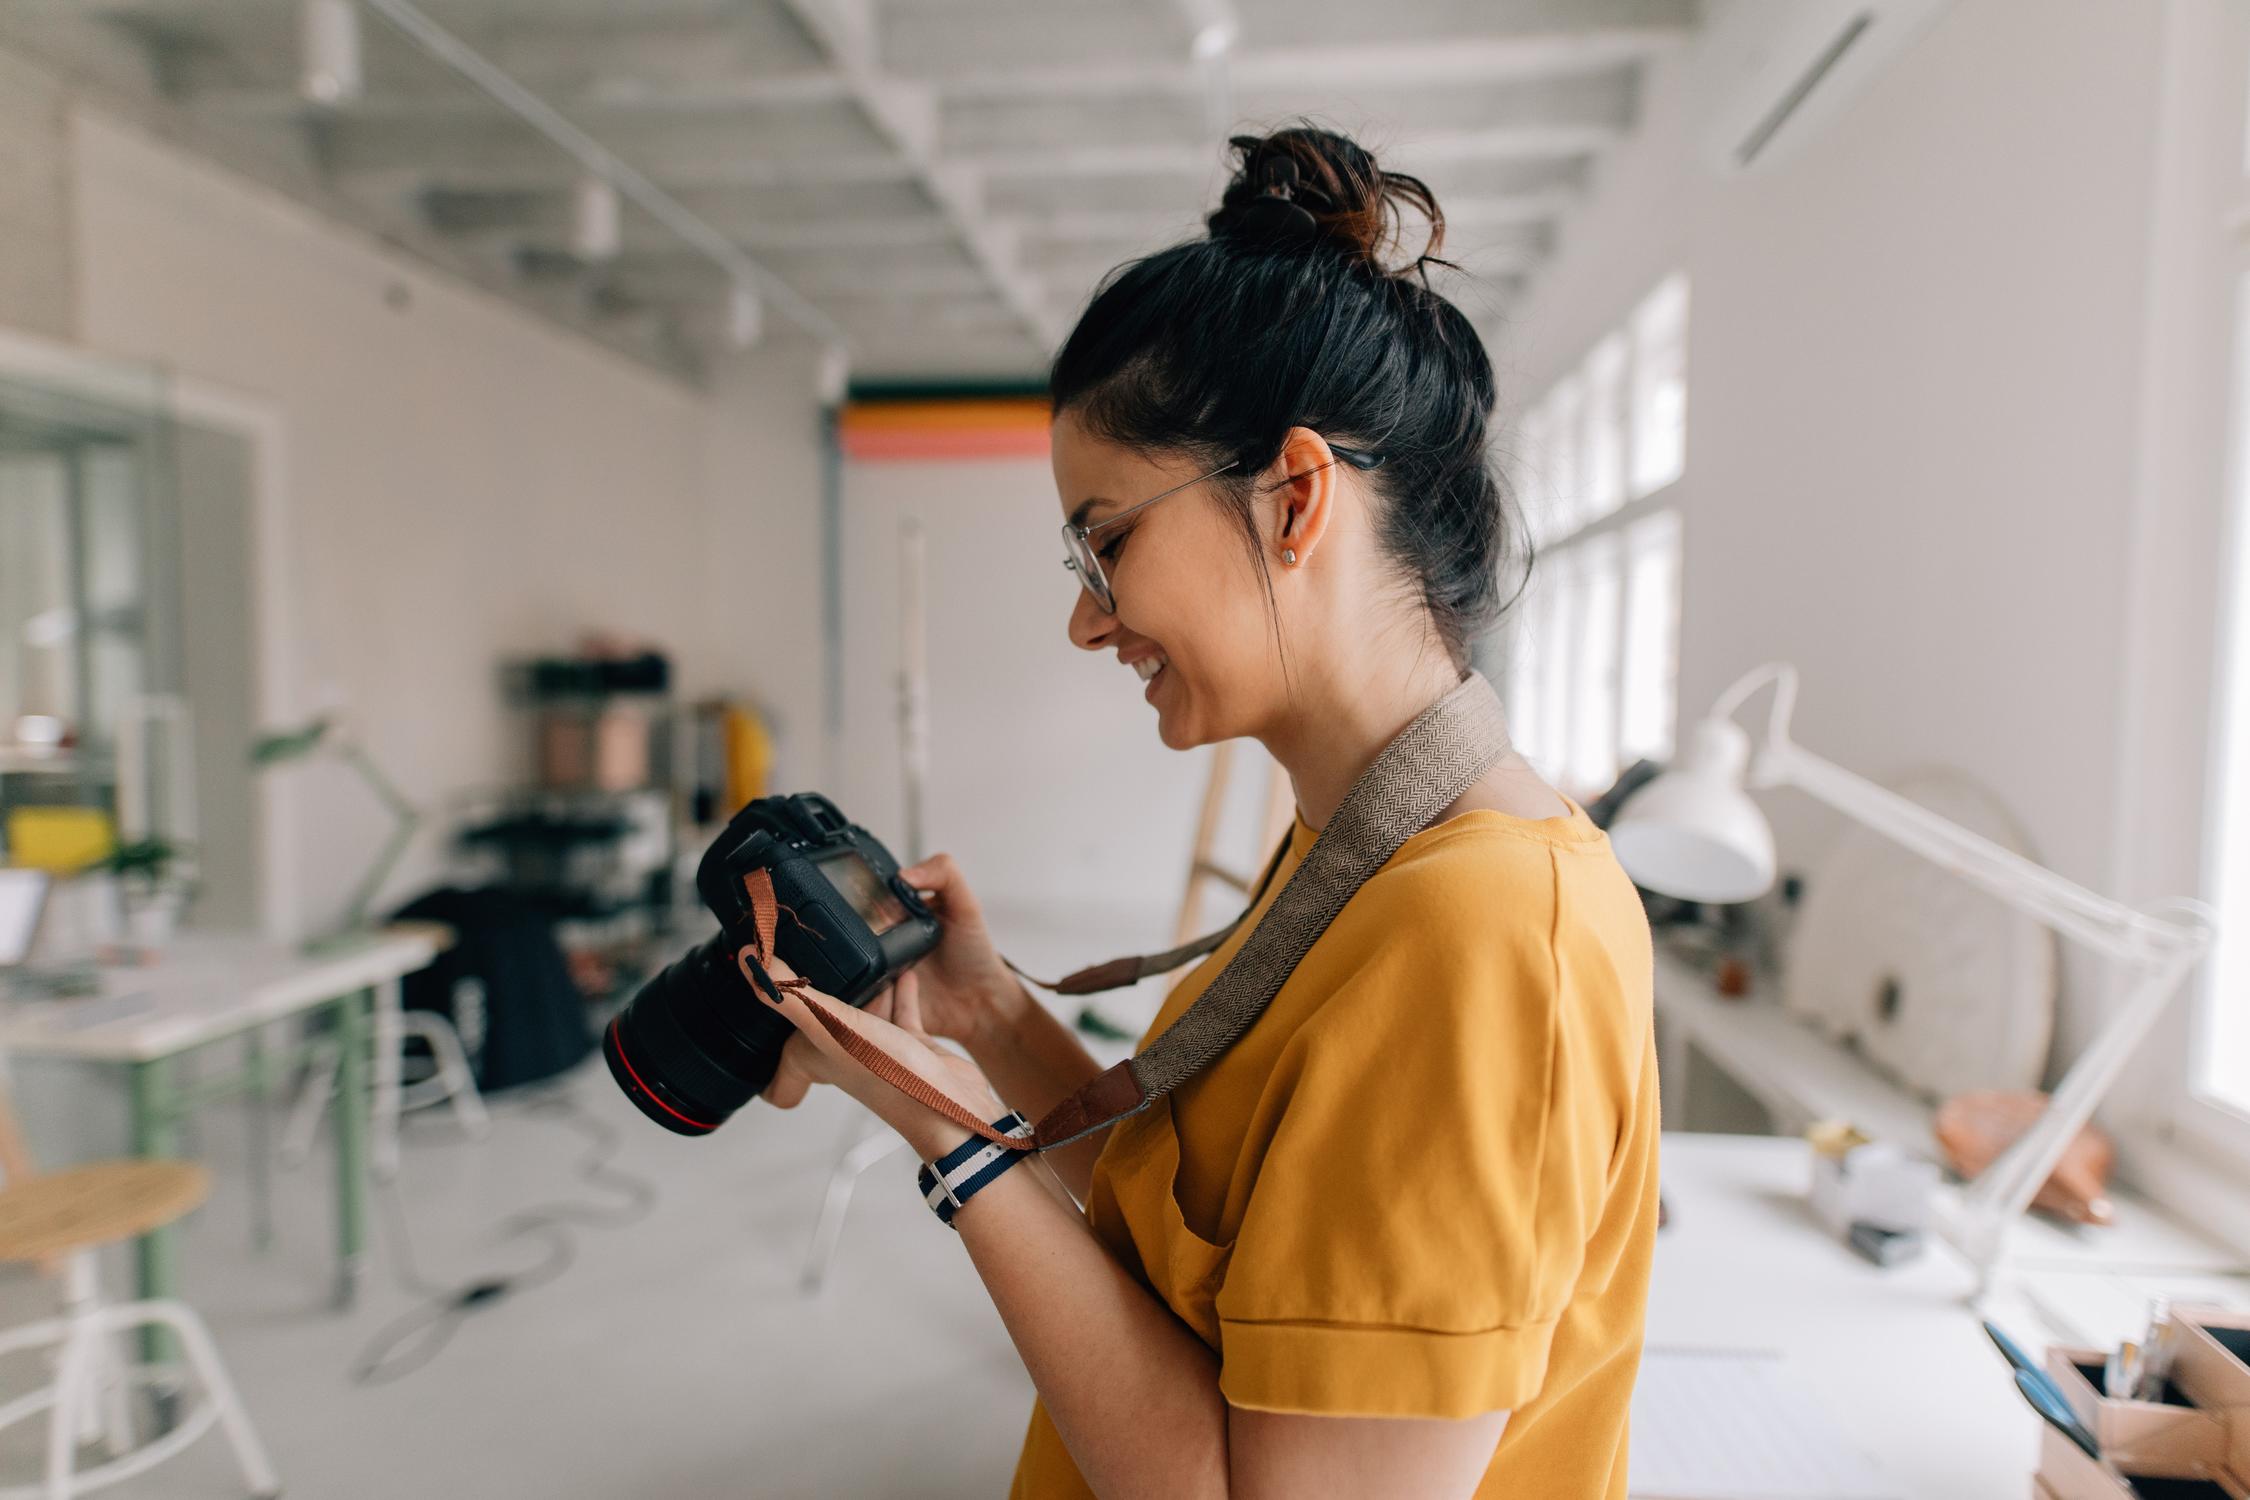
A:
[1605,103]
[597,159]
[976,44]
[82,51]
[611,101]
[1415,148]
[907,113]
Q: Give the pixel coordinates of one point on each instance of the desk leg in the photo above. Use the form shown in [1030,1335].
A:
[258,1068]
[351,1144]
[156,1134]
[389,1064]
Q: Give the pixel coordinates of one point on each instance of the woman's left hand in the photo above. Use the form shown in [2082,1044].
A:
[893,1022]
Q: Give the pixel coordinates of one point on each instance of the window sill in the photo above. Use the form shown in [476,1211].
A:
[2186,1182]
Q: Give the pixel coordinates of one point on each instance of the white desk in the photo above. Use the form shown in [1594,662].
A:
[208,987]
[1895,1356]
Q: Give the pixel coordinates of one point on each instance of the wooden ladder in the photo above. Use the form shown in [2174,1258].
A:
[1203,864]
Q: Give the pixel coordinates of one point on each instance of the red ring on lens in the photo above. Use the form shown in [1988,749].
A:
[617,1045]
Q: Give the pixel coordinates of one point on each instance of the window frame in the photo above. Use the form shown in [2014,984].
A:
[2186,600]
[1570,530]
[2210,1125]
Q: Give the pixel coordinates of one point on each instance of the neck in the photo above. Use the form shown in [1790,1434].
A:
[1338,724]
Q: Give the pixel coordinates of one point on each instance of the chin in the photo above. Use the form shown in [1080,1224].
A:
[1178,731]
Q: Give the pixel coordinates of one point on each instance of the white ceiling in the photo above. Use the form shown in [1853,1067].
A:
[943,180]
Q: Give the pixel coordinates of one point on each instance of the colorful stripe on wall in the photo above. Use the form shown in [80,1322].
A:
[955,428]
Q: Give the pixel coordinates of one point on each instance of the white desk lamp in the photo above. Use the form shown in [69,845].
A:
[1693,833]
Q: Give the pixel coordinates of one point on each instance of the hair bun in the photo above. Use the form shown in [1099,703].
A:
[1304,187]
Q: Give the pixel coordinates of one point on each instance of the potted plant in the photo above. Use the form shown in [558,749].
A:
[152,877]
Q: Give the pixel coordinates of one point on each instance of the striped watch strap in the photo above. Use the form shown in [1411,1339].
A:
[959,1175]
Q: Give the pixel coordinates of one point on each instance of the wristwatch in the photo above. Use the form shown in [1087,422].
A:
[959,1175]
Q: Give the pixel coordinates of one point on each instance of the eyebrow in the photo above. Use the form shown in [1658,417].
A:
[1086,507]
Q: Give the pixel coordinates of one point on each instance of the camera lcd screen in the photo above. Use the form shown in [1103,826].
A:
[856,878]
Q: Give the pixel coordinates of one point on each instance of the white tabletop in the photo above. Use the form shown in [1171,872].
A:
[206,986]
[1895,1356]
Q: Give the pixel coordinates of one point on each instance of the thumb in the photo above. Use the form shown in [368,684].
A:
[906,1003]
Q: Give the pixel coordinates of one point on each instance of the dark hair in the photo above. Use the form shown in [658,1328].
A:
[1289,314]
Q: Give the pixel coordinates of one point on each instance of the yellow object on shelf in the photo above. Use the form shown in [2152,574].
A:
[60,840]
[749,755]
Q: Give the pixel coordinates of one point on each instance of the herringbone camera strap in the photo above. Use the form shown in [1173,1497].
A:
[1417,776]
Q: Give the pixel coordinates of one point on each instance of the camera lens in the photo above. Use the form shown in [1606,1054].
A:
[696,1044]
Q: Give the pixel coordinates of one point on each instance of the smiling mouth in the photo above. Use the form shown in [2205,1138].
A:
[1149,666]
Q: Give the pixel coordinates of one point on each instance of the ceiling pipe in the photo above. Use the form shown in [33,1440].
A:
[1213,30]
[597,220]
[597,159]
[329,72]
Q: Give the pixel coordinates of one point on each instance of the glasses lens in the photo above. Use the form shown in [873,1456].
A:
[1080,554]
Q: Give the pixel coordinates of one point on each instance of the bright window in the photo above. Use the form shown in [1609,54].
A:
[1660,386]
[1604,466]
[1652,644]
[2222,1061]
[1566,448]
[1593,653]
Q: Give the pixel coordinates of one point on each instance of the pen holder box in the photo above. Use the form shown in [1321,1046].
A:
[2175,1436]
[2212,1365]
[2066,1473]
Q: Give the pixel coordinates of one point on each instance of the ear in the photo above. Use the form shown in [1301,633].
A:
[1304,487]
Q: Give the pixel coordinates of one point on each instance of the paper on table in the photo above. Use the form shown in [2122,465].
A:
[1732,1425]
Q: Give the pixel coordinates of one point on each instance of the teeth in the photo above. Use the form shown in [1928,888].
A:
[1149,666]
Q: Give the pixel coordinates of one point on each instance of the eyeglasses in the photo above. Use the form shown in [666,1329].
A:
[1078,548]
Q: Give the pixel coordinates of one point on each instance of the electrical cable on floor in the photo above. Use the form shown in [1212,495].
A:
[415,1337]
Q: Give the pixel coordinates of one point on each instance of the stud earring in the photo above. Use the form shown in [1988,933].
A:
[1289,556]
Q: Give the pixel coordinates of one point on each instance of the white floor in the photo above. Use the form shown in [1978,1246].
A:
[675,1357]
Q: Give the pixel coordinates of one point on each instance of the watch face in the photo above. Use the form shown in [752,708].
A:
[856,879]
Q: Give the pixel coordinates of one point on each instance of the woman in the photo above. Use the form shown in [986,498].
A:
[1396,1240]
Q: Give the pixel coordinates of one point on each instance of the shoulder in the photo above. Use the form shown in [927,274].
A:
[1481,927]
[1480,887]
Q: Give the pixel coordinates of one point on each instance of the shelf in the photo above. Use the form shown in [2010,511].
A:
[1797,1074]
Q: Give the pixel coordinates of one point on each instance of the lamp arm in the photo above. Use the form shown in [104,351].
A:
[2107,925]
[2160,951]
[2005,1189]
[1784,678]
[407,819]
[352,753]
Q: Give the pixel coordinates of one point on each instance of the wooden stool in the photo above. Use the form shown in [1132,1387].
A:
[65,1217]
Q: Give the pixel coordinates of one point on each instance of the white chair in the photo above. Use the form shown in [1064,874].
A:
[64,1218]
[451,1082]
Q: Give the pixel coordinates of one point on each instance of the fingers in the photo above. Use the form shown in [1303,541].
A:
[883,1007]
[905,1000]
[790,1082]
[939,877]
[934,872]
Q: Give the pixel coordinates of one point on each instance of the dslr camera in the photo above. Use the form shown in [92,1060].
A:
[697,1043]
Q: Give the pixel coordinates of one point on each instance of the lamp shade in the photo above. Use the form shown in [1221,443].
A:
[1693,833]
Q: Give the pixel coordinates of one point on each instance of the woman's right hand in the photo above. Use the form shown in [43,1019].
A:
[967,993]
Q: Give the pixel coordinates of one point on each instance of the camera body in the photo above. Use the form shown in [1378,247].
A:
[696,1043]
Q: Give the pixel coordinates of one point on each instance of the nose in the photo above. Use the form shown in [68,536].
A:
[1091,627]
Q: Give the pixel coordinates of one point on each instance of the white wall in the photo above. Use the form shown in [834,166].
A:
[1046,780]
[35,271]
[1915,368]
[465,484]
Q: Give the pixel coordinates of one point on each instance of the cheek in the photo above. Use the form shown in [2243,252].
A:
[1208,613]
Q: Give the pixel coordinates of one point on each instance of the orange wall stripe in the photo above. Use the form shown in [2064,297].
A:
[909,431]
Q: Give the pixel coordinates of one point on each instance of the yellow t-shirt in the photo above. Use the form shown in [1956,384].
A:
[1424,1182]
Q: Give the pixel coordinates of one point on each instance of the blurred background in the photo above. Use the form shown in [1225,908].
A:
[453,453]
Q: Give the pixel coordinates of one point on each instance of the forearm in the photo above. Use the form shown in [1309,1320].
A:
[1035,1061]
[1134,1393]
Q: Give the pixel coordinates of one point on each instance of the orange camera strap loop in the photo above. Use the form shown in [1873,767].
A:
[1419,774]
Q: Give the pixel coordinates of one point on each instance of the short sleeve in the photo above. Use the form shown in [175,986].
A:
[1432,1173]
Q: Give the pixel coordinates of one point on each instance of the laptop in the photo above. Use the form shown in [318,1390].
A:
[23,899]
